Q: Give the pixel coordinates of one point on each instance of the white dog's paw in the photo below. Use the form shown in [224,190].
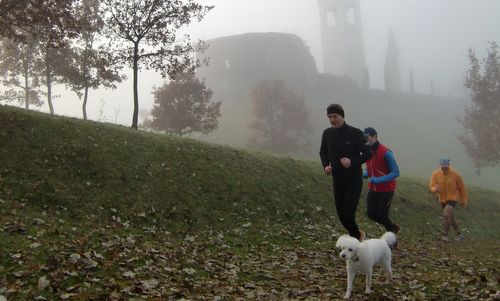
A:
[347,296]
[368,291]
[386,279]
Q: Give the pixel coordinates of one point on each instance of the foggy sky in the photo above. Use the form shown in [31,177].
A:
[433,38]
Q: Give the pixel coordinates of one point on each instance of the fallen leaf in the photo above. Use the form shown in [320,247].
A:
[67,296]
[43,283]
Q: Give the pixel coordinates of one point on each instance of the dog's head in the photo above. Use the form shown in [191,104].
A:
[349,247]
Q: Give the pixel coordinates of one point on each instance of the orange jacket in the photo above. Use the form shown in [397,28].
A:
[451,186]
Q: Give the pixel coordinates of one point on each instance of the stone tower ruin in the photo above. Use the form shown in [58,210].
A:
[342,38]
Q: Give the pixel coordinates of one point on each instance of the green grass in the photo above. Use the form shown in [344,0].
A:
[155,217]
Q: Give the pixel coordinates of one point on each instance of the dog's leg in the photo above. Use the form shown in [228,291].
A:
[368,282]
[350,280]
[386,265]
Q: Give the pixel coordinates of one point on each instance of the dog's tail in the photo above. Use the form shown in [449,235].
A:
[390,238]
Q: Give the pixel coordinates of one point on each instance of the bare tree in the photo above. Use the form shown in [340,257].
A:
[91,65]
[481,136]
[144,33]
[281,118]
[49,23]
[17,67]
[184,106]
[117,112]
[101,117]
[52,65]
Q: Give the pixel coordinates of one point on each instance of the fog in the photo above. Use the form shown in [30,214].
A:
[433,38]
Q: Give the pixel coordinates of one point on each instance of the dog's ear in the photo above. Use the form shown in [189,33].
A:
[340,241]
[355,256]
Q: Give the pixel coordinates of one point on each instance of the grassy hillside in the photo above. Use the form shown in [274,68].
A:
[93,211]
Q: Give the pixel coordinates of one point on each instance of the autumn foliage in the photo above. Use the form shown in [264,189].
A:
[184,106]
[481,135]
[281,121]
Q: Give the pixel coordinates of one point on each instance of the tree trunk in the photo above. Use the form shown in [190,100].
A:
[135,117]
[49,96]
[26,89]
[48,79]
[84,105]
[85,83]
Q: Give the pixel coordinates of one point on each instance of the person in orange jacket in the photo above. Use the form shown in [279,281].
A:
[447,183]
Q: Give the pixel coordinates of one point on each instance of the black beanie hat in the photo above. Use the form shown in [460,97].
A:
[370,131]
[335,109]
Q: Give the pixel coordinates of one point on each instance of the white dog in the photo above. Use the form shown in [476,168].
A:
[362,256]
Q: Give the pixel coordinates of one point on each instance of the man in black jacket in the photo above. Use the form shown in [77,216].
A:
[343,151]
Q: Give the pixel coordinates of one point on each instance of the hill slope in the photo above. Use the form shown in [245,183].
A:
[94,211]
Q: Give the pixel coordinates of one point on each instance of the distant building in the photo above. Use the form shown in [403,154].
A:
[342,39]
[239,62]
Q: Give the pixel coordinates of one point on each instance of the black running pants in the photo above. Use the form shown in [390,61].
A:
[346,193]
[377,207]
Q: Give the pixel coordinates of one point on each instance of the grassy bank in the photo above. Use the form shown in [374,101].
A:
[93,211]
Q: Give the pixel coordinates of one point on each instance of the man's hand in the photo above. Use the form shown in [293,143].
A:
[437,189]
[328,170]
[346,162]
